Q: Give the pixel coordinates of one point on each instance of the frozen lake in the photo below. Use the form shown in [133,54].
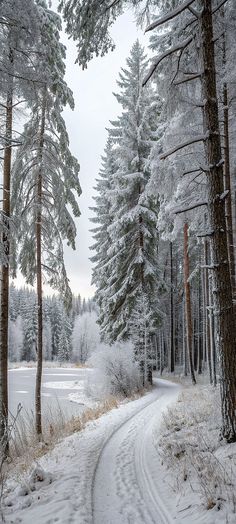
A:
[63,386]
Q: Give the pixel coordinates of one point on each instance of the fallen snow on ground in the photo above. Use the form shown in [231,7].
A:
[130,467]
[199,468]
[104,474]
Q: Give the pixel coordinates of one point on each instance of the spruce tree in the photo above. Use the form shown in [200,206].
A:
[129,260]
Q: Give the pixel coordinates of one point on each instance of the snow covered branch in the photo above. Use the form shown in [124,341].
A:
[169,16]
[219,6]
[191,171]
[199,138]
[188,78]
[179,47]
[192,206]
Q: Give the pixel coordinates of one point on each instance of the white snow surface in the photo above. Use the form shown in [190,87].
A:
[112,472]
[106,474]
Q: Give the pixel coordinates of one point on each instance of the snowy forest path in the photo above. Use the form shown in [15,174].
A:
[124,486]
[105,474]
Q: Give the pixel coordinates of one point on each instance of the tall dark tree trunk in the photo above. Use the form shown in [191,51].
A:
[227,187]
[4,298]
[38,408]
[188,310]
[172,338]
[223,303]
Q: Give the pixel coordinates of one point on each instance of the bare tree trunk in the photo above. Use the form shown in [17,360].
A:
[172,339]
[207,299]
[227,187]
[4,304]
[199,323]
[185,360]
[212,341]
[38,410]
[188,312]
[223,303]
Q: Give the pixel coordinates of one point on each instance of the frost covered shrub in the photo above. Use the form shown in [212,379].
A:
[191,450]
[115,371]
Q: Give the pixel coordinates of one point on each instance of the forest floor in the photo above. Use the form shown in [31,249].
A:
[135,466]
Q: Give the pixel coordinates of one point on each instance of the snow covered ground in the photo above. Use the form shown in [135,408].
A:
[64,387]
[135,466]
[104,474]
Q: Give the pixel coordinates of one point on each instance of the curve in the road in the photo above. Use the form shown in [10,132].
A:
[123,488]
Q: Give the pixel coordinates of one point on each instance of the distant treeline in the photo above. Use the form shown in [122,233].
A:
[58,325]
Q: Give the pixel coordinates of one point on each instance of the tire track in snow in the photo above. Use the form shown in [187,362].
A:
[123,489]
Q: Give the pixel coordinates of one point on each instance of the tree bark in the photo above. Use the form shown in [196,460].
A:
[172,339]
[38,409]
[4,305]
[227,187]
[223,303]
[188,312]
[199,322]
[207,304]
[185,361]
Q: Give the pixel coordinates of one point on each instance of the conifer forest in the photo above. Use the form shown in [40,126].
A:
[118,362]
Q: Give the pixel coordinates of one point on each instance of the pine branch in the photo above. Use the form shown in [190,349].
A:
[179,47]
[188,78]
[200,138]
[189,208]
[169,16]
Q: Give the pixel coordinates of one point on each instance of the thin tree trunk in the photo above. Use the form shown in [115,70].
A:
[207,299]
[223,303]
[204,314]
[188,311]
[211,329]
[199,338]
[185,360]
[4,299]
[38,410]
[227,187]
[172,339]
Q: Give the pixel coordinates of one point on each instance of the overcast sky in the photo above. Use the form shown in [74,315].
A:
[95,105]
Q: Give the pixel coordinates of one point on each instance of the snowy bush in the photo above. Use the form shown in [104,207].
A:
[190,448]
[115,373]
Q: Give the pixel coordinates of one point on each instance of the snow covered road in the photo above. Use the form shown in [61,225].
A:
[106,474]
[124,485]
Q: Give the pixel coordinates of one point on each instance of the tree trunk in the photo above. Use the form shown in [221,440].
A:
[223,303]
[199,323]
[188,312]
[207,305]
[227,187]
[185,361]
[4,299]
[38,410]
[172,339]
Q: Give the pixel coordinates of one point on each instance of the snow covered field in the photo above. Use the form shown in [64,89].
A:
[60,386]
[105,474]
[134,466]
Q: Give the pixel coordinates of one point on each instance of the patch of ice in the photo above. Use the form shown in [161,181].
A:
[68,384]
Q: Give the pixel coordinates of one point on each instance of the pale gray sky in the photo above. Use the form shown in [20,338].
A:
[95,105]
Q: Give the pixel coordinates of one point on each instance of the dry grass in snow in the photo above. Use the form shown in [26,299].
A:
[202,467]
